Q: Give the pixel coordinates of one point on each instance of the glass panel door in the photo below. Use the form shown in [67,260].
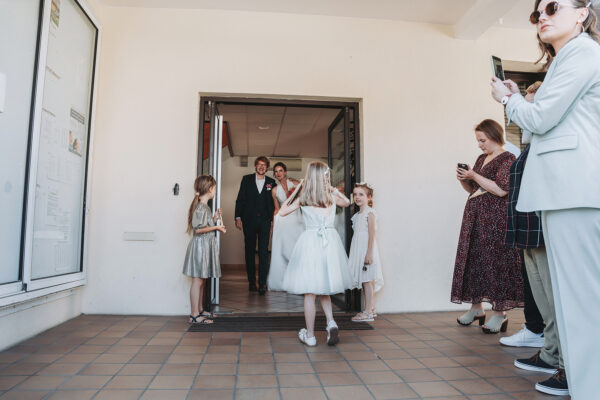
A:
[210,163]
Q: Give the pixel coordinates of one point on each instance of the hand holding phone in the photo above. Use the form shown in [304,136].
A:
[463,166]
[497,68]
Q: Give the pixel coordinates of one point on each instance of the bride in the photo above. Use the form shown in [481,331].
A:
[286,230]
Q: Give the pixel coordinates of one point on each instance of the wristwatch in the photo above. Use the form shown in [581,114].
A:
[505,99]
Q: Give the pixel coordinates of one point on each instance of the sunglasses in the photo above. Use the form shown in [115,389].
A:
[551,9]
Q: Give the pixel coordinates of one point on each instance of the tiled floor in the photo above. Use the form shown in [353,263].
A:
[407,356]
[235,297]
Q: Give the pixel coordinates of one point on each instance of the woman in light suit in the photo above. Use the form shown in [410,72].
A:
[562,176]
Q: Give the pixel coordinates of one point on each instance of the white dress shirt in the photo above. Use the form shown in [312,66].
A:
[260,183]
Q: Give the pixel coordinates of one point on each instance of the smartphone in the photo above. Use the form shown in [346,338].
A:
[463,166]
[497,69]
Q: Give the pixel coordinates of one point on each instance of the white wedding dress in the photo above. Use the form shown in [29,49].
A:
[286,231]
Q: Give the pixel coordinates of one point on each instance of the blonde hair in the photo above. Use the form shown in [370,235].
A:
[368,191]
[315,189]
[202,185]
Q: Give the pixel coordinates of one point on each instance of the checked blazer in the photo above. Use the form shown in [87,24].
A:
[523,229]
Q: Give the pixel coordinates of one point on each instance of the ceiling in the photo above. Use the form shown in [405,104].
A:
[278,131]
[444,12]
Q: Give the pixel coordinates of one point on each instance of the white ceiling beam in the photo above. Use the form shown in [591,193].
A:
[480,17]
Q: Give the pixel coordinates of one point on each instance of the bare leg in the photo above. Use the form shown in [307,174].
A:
[195,291]
[368,291]
[201,294]
[309,313]
[476,306]
[327,309]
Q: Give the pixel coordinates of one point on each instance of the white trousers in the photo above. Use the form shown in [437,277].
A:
[572,240]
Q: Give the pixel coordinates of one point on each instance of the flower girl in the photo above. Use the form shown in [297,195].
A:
[364,261]
[318,266]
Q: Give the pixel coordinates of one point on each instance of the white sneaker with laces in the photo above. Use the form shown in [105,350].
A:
[303,337]
[332,333]
[524,338]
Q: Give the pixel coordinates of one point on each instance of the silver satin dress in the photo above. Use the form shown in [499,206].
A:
[202,256]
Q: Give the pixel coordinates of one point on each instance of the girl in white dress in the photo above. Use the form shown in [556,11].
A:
[364,261]
[318,265]
[286,230]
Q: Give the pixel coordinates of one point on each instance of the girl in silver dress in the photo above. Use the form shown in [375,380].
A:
[202,256]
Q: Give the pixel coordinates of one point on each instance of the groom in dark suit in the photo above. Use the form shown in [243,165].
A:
[254,214]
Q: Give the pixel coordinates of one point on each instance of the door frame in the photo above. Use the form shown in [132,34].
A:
[352,299]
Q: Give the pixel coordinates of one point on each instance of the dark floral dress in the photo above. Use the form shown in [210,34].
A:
[486,270]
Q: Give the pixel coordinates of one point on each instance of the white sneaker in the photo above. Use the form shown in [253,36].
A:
[524,338]
[303,337]
[332,333]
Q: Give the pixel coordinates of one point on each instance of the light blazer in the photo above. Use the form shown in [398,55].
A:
[563,167]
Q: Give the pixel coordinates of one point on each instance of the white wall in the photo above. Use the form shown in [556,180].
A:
[25,320]
[422,92]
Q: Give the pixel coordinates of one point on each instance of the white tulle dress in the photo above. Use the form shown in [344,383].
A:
[358,251]
[286,231]
[318,264]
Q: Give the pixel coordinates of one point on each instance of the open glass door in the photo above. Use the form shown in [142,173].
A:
[212,149]
[343,161]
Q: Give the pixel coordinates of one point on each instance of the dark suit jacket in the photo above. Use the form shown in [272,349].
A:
[248,197]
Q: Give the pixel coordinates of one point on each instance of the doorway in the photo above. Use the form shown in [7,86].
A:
[233,132]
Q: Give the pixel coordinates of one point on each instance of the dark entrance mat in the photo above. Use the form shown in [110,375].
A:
[274,324]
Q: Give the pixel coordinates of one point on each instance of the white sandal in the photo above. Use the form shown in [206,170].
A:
[303,337]
[363,317]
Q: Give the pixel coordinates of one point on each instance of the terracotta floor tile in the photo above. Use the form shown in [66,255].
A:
[226,394]
[294,368]
[339,378]
[257,394]
[165,395]
[256,369]
[373,365]
[140,369]
[438,362]
[61,369]
[24,395]
[418,375]
[72,394]
[249,358]
[42,382]
[256,381]
[22,368]
[347,393]
[454,373]
[85,382]
[101,369]
[492,371]
[119,394]
[112,358]
[171,382]
[147,358]
[220,358]
[377,377]
[298,380]
[433,389]
[475,386]
[42,358]
[290,357]
[214,382]
[404,363]
[78,358]
[303,394]
[8,382]
[331,366]
[178,369]
[392,391]
[129,382]
[217,369]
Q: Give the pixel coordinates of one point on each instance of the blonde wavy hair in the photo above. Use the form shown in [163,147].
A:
[315,191]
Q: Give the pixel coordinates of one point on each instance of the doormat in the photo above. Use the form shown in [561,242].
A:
[275,324]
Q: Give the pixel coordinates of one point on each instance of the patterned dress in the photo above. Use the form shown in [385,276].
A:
[485,269]
[202,256]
